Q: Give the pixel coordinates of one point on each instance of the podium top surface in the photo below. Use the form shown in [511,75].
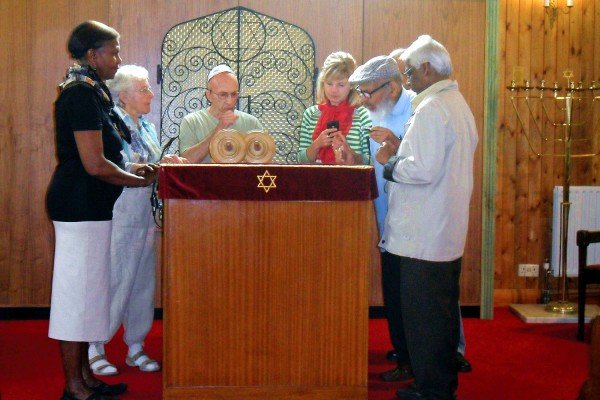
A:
[267,182]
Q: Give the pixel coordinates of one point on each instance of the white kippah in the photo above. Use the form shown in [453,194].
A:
[380,67]
[219,69]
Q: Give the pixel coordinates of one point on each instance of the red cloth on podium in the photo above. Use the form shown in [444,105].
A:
[267,182]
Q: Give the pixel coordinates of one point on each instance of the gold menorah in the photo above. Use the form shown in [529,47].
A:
[554,100]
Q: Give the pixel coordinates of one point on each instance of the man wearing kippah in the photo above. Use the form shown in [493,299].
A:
[197,129]
[430,184]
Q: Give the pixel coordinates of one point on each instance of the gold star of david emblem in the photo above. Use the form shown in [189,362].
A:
[261,181]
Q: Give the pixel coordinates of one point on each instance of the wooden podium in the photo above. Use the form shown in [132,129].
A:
[266,281]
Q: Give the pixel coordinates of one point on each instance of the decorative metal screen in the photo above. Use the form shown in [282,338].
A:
[274,62]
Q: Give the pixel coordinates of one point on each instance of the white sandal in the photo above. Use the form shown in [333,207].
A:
[143,362]
[100,366]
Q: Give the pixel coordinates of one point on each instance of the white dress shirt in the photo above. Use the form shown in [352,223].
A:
[428,201]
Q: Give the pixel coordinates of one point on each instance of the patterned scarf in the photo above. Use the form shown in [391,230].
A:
[342,113]
[141,151]
[84,74]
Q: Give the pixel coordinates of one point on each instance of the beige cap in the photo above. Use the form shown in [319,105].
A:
[380,67]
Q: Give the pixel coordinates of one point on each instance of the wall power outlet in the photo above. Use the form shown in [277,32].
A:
[529,270]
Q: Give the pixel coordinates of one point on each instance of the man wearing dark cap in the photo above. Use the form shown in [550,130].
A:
[197,129]
[430,183]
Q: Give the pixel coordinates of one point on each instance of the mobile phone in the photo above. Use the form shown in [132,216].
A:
[333,124]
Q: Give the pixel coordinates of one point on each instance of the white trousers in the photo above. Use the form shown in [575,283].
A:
[79,309]
[132,267]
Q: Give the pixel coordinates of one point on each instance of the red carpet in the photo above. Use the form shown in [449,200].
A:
[511,360]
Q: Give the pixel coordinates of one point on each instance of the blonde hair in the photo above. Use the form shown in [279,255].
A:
[338,65]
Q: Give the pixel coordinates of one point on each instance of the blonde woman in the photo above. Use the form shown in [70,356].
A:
[336,130]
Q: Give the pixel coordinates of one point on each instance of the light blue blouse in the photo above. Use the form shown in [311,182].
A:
[144,147]
[394,121]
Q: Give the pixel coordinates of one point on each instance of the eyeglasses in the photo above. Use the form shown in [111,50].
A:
[224,95]
[408,73]
[146,89]
[367,95]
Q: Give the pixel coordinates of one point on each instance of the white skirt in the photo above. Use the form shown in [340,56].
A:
[80,304]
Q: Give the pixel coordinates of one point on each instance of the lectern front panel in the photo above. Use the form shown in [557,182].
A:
[266,299]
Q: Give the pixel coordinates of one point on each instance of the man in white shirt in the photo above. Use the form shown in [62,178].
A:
[430,183]
[198,128]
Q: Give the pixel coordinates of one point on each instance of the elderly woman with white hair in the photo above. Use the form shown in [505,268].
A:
[132,279]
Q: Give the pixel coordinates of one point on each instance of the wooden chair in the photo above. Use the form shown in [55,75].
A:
[590,390]
[587,273]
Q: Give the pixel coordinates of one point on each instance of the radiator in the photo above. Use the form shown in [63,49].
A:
[584,213]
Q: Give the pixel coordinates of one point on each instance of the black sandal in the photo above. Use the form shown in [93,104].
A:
[109,390]
[95,396]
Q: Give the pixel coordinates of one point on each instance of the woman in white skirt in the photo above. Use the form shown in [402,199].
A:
[86,183]
[132,276]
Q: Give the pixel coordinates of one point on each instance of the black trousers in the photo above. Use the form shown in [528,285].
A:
[421,299]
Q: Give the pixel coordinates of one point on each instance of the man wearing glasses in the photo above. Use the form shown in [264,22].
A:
[379,83]
[197,129]
[430,183]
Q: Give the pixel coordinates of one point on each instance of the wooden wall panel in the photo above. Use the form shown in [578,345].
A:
[506,187]
[35,59]
[544,49]
[591,30]
[460,26]
[10,121]
[522,150]
[12,13]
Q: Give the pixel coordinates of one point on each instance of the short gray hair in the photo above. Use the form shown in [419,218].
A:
[124,79]
[426,49]
[396,53]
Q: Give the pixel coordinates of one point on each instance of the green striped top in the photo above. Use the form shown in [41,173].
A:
[358,137]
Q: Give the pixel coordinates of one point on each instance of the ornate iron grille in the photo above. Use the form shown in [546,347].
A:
[274,62]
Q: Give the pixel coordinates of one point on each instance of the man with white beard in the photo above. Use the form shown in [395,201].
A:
[379,83]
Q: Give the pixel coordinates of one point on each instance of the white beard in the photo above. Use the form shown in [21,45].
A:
[383,109]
